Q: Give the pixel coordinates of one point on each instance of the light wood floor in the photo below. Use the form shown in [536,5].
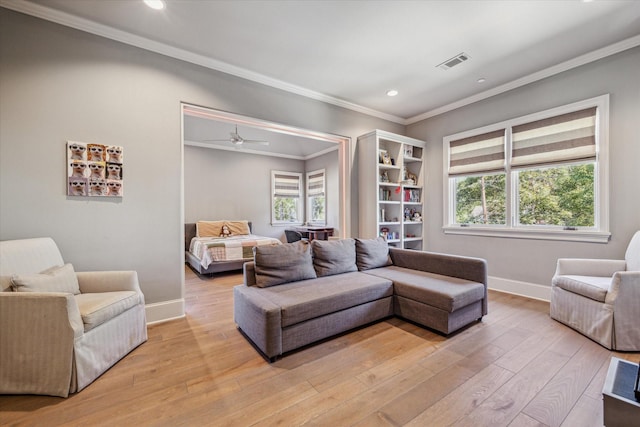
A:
[517,368]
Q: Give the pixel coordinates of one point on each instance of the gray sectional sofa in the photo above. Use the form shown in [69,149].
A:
[299,293]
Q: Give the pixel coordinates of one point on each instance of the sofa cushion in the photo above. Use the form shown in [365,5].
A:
[308,299]
[372,253]
[594,287]
[54,279]
[443,292]
[334,256]
[279,264]
[98,308]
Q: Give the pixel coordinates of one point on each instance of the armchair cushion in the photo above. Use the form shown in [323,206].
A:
[98,308]
[594,287]
[54,279]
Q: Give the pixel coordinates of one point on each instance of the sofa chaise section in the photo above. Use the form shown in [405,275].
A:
[439,291]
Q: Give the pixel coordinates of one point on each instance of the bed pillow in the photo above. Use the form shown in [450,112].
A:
[238,228]
[280,264]
[54,279]
[209,228]
[372,253]
[334,256]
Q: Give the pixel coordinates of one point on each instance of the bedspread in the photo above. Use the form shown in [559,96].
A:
[234,248]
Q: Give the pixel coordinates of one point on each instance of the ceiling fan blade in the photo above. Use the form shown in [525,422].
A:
[255,141]
[215,140]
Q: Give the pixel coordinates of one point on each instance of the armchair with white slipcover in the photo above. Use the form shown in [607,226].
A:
[600,298]
[60,330]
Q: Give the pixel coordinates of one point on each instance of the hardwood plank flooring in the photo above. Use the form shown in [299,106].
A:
[517,367]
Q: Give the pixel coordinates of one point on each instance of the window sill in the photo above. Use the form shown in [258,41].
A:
[520,233]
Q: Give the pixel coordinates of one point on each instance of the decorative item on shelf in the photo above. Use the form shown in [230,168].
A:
[412,196]
[382,215]
[385,195]
[384,232]
[384,157]
[408,177]
[417,217]
[407,214]
[384,176]
[408,150]
[389,235]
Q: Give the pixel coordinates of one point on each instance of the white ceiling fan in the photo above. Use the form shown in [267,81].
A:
[236,139]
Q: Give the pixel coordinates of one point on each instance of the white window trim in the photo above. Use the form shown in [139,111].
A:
[601,234]
[308,199]
[301,199]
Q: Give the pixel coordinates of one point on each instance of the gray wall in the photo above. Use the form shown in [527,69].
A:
[533,261]
[59,84]
[229,185]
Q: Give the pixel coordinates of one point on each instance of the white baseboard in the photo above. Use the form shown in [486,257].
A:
[164,311]
[529,290]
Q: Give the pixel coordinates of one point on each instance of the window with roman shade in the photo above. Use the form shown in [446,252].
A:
[316,200]
[286,200]
[544,175]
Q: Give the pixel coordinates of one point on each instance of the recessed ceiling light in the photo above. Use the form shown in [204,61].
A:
[155,4]
[482,80]
[392,92]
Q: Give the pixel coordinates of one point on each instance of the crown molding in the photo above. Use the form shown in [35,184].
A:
[539,75]
[95,28]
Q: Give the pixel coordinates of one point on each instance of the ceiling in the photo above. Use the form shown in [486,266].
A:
[350,53]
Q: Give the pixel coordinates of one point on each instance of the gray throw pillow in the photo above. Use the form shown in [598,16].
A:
[334,256]
[372,253]
[283,263]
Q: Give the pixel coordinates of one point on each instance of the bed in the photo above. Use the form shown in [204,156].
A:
[213,254]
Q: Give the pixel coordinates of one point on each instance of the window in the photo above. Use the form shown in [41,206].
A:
[540,176]
[287,205]
[316,200]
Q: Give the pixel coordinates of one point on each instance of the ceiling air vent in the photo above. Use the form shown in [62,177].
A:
[452,62]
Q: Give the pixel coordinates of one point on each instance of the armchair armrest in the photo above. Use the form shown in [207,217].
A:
[108,281]
[624,296]
[36,342]
[625,289]
[589,267]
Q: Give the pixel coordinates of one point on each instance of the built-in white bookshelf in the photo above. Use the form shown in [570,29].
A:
[391,188]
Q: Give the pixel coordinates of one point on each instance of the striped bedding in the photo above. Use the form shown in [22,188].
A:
[234,248]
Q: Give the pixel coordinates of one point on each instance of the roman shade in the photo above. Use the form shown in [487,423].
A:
[562,138]
[479,153]
[286,185]
[315,184]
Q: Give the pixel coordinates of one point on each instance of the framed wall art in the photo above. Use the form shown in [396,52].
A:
[94,170]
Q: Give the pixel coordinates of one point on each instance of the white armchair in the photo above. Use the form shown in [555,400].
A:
[600,298]
[60,330]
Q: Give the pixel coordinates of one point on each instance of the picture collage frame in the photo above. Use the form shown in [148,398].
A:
[94,170]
